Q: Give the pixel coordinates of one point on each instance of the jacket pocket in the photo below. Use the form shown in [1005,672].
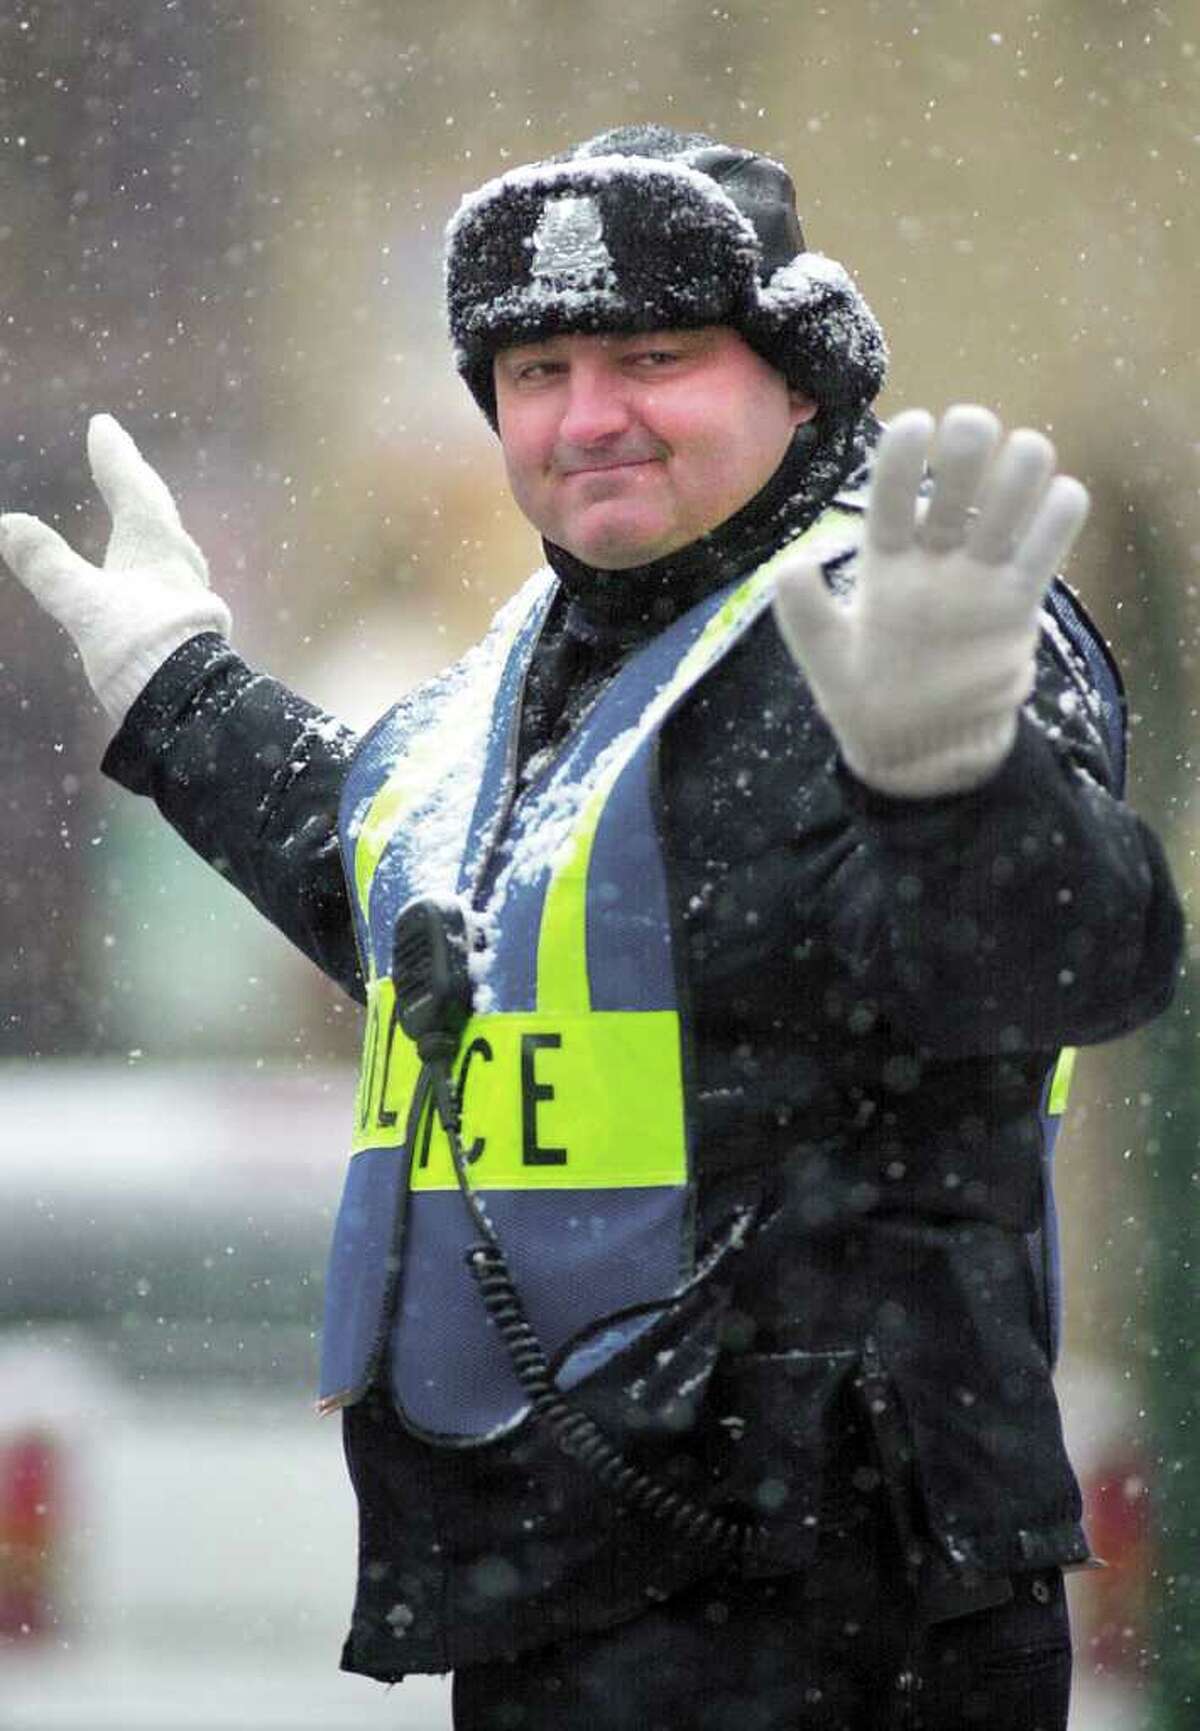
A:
[975,1461]
[770,1426]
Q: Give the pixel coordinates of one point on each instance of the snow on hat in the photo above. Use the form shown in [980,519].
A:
[643,228]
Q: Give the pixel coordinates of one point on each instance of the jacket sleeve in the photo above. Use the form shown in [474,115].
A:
[1040,900]
[250,776]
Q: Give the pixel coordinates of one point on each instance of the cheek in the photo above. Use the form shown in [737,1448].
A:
[523,459]
[726,465]
[714,463]
[765,437]
[525,427]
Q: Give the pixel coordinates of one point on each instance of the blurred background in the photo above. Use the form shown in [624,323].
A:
[223,223]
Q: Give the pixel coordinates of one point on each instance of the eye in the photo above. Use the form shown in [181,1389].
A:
[650,359]
[533,371]
[530,370]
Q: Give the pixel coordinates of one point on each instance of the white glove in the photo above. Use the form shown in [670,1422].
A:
[150,596]
[921,671]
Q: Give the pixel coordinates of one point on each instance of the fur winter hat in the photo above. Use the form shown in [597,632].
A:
[643,228]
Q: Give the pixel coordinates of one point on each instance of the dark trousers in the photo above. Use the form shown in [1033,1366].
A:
[829,1652]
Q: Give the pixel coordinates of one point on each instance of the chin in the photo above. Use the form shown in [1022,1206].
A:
[618,550]
[613,559]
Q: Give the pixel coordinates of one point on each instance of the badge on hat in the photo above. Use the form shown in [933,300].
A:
[568,243]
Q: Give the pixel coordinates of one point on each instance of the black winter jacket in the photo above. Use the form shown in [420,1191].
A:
[875,990]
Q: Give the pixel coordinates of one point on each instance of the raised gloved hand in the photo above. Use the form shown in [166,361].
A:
[922,669]
[152,592]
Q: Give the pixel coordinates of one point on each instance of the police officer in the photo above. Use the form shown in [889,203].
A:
[692,1302]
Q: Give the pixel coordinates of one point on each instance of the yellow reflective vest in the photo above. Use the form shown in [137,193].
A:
[573,1070]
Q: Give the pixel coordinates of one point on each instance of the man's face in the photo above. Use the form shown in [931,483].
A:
[622,449]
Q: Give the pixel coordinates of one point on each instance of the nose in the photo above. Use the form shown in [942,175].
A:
[596,408]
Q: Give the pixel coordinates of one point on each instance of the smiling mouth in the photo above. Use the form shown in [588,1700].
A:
[609,468]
